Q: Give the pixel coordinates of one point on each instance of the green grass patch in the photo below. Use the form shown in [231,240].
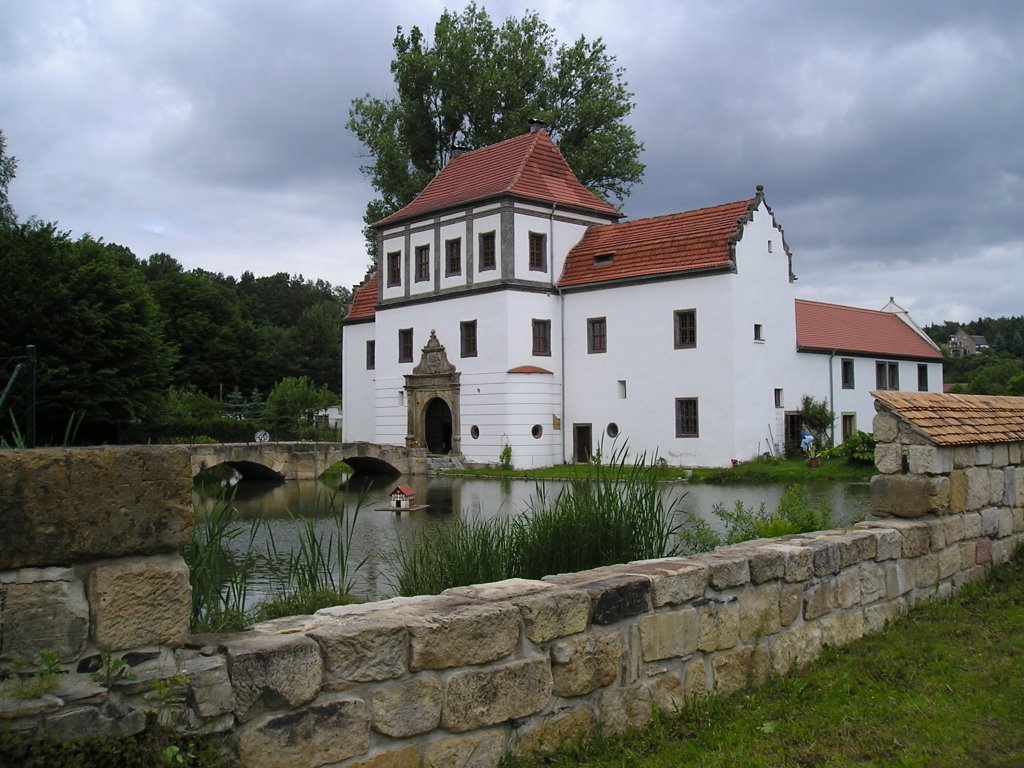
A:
[941,687]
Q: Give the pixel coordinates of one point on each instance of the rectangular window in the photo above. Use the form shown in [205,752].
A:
[622,389]
[488,253]
[686,417]
[538,253]
[758,332]
[778,399]
[887,376]
[922,378]
[846,369]
[405,345]
[394,268]
[597,339]
[685,328]
[467,334]
[453,257]
[849,425]
[542,338]
[422,263]
[371,355]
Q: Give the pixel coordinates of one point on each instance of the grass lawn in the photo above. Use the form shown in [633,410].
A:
[756,471]
[941,687]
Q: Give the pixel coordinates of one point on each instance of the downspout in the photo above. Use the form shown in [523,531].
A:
[831,397]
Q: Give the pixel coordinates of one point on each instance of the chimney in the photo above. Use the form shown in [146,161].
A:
[458,150]
[538,125]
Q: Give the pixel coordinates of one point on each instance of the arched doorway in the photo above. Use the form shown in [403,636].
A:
[437,426]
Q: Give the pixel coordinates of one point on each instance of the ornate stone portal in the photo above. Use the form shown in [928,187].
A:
[432,396]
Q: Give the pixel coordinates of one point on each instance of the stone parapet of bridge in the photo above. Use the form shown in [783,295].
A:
[307,461]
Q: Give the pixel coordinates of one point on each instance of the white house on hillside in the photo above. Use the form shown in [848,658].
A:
[512,307]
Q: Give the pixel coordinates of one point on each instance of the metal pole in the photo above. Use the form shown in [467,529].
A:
[30,387]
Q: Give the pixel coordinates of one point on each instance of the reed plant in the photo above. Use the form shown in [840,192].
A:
[615,514]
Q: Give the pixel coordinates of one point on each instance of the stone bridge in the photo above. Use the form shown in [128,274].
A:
[307,461]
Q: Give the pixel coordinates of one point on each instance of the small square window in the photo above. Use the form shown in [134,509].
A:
[405,345]
[685,323]
[453,257]
[488,252]
[467,335]
[394,268]
[686,417]
[542,338]
[422,263]
[538,253]
[597,335]
[371,355]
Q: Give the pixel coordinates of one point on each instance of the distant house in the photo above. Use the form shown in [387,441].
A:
[512,307]
[962,343]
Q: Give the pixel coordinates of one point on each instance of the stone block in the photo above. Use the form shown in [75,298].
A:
[979,488]
[819,598]
[759,612]
[926,571]
[957,492]
[949,561]
[407,708]
[798,561]
[990,522]
[791,599]
[500,591]
[550,615]
[673,580]
[625,709]
[727,570]
[898,579]
[983,454]
[885,427]
[1004,526]
[472,634]
[404,757]
[1013,487]
[145,506]
[485,697]
[872,583]
[855,546]
[924,460]
[963,456]
[983,550]
[1018,519]
[766,563]
[139,601]
[209,685]
[841,629]
[878,615]
[909,496]
[848,587]
[888,458]
[972,525]
[953,529]
[668,634]
[796,648]
[583,664]
[272,671]
[1002,550]
[362,648]
[971,575]
[477,750]
[695,678]
[888,541]
[1013,453]
[327,731]
[997,484]
[731,670]
[612,597]
[968,553]
[937,537]
[916,536]
[825,555]
[719,625]
[558,731]
[1000,454]
[42,609]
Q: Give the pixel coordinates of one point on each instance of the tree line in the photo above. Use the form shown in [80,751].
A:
[998,370]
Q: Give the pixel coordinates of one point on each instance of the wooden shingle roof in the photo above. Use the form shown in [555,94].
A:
[959,419]
[822,327]
[528,167]
[690,241]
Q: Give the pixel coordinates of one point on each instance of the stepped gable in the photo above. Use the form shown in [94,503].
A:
[959,419]
[364,301]
[528,167]
[822,327]
[690,241]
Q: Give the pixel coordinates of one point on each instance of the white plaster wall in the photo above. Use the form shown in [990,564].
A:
[416,239]
[357,383]
[392,244]
[453,231]
[491,223]
[560,237]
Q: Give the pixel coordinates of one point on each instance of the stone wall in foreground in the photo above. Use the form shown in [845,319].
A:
[469,676]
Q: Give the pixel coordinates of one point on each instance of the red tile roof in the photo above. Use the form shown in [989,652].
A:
[959,419]
[663,245]
[528,369]
[364,301]
[528,166]
[831,327]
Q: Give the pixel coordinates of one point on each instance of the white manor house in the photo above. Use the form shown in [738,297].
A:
[512,307]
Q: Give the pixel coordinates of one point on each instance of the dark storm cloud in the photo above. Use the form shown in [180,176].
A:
[887,134]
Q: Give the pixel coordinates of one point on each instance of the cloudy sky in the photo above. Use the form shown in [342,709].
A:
[889,135]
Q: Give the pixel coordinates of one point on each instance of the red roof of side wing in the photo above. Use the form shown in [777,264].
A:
[364,301]
[664,245]
[528,166]
[831,327]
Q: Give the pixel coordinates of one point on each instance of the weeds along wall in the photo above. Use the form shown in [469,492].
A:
[478,673]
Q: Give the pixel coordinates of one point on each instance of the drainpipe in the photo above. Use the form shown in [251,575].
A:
[831,396]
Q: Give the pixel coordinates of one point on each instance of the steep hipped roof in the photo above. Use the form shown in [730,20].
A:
[830,327]
[528,166]
[662,245]
[959,419]
[364,300]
